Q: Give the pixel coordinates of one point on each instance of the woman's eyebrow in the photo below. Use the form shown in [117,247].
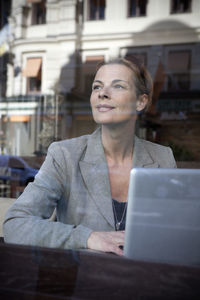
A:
[99,81]
[117,80]
[114,81]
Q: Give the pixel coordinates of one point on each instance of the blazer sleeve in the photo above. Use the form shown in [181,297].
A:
[27,221]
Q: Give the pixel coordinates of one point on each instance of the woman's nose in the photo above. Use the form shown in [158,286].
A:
[104,93]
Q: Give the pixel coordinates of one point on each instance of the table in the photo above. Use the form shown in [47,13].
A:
[41,273]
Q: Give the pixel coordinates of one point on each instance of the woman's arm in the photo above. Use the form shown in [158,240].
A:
[27,221]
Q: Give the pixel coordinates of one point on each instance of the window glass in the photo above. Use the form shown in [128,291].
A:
[46,77]
[141,56]
[96,9]
[137,8]
[180,6]
[33,85]
[89,69]
[39,13]
[33,74]
[179,70]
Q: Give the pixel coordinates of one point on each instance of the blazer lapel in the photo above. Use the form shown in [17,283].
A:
[94,171]
[141,156]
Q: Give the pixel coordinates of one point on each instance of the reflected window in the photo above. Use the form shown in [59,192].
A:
[33,71]
[33,85]
[89,70]
[38,12]
[140,56]
[96,9]
[179,70]
[180,6]
[137,8]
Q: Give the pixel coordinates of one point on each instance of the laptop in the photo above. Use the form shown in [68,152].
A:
[163,216]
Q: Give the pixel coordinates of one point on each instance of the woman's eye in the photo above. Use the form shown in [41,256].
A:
[96,87]
[118,86]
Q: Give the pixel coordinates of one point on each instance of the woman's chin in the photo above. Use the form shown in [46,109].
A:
[108,118]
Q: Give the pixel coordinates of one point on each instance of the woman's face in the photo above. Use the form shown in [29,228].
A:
[113,97]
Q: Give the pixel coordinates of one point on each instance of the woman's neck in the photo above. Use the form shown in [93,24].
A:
[118,141]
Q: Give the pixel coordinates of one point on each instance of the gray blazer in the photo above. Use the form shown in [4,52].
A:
[74,179]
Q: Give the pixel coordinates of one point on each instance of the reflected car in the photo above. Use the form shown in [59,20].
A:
[16,170]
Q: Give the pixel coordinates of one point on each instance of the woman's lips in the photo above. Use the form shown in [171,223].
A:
[104,108]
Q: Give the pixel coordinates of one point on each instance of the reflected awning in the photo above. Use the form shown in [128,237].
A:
[179,61]
[94,59]
[19,118]
[32,67]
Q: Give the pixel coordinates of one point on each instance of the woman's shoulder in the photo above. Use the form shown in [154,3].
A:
[152,145]
[81,140]
[160,153]
[74,146]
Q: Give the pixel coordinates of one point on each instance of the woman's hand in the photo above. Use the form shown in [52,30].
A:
[106,241]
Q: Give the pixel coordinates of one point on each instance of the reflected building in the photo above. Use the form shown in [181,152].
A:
[55,48]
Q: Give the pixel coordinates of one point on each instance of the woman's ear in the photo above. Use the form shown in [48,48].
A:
[141,102]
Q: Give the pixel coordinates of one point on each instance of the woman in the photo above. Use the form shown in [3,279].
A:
[87,178]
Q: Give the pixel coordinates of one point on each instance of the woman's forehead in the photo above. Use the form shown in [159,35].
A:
[116,71]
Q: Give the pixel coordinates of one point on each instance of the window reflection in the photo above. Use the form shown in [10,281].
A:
[38,12]
[179,70]
[180,6]
[33,74]
[15,174]
[96,9]
[46,74]
[137,8]
[88,71]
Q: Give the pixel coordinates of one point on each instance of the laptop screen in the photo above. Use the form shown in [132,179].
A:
[163,216]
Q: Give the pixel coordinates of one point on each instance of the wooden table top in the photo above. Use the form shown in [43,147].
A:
[41,273]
